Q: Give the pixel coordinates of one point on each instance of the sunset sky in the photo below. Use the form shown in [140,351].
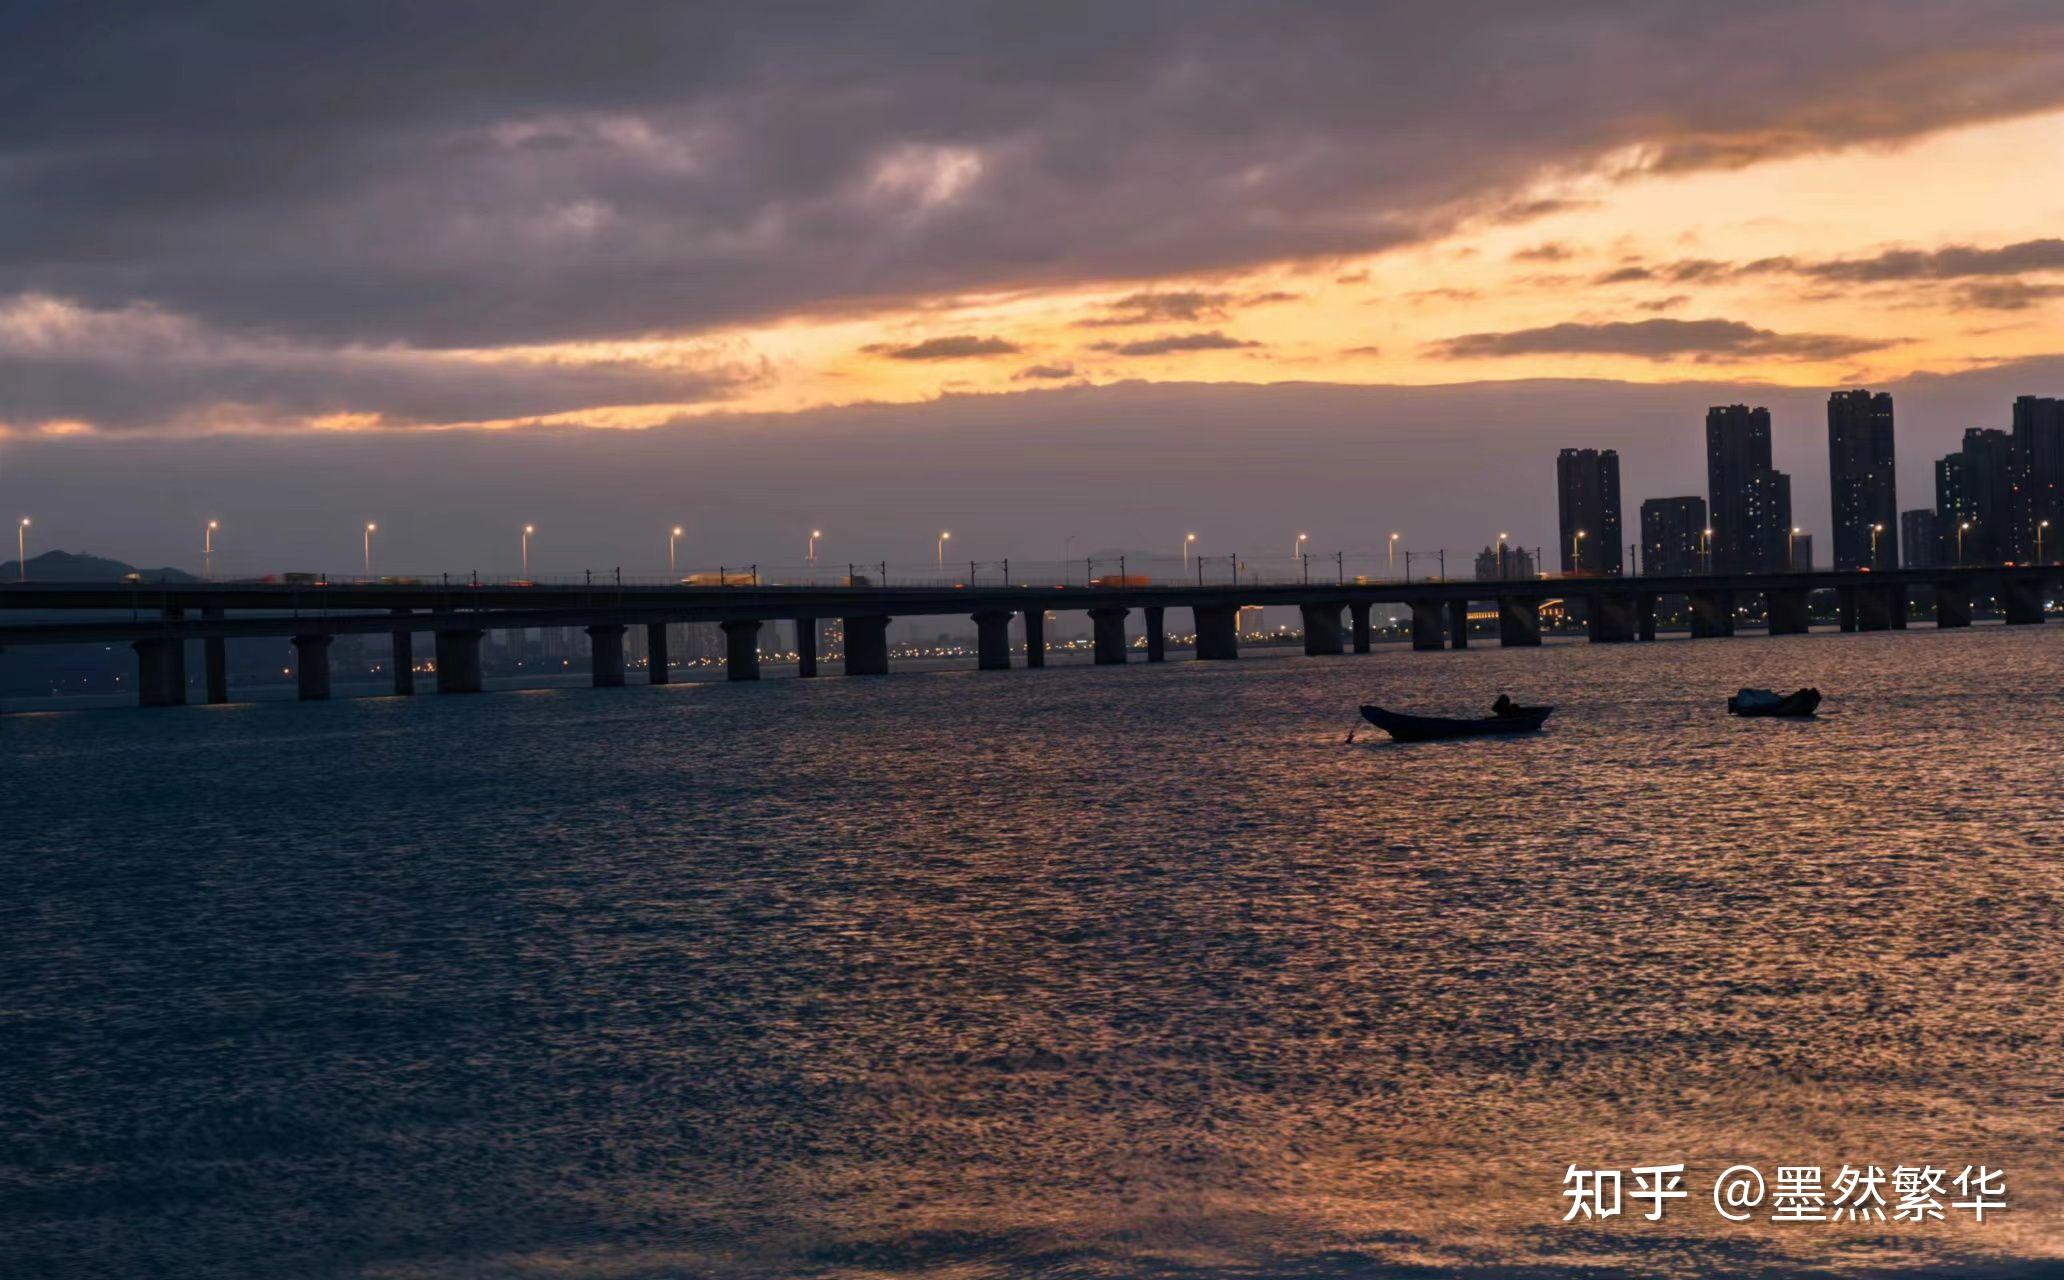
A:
[279,221]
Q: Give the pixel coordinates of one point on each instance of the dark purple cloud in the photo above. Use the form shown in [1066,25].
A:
[956,347]
[1704,340]
[1171,343]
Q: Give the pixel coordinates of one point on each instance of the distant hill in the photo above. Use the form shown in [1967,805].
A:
[68,566]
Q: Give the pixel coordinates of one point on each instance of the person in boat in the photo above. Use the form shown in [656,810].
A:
[1505,707]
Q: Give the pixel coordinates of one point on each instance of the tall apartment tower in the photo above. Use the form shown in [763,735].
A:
[1862,485]
[2039,475]
[1749,502]
[1587,485]
[1989,502]
[1673,536]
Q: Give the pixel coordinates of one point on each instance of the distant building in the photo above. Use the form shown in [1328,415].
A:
[1863,490]
[2038,445]
[1922,540]
[1988,504]
[1749,502]
[1672,535]
[1495,564]
[1952,508]
[1587,485]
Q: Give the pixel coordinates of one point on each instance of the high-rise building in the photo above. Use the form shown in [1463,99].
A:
[1673,535]
[2038,436]
[1920,535]
[1861,480]
[1587,485]
[1749,502]
[1952,508]
[1988,496]
[1504,561]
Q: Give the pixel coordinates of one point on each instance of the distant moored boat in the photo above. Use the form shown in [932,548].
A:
[1410,728]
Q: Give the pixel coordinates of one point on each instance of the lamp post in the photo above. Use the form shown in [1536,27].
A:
[672,534]
[208,548]
[945,536]
[1705,550]
[1390,561]
[369,530]
[1876,529]
[2040,526]
[1501,553]
[1576,551]
[527,531]
[814,535]
[1188,540]
[1297,548]
[21,550]
[1791,540]
[1961,528]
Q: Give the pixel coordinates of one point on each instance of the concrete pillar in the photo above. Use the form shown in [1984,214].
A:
[1359,615]
[1873,609]
[867,645]
[1786,608]
[806,647]
[1218,632]
[658,662]
[605,654]
[178,657]
[1845,607]
[2022,597]
[160,680]
[215,657]
[992,640]
[1609,618]
[1035,637]
[1519,622]
[404,657]
[1458,624]
[1952,604]
[458,661]
[312,666]
[1157,632]
[1895,601]
[1321,629]
[1426,625]
[741,648]
[1108,624]
[1644,615]
[1712,614]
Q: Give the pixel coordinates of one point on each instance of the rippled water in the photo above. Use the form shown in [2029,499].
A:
[1078,972]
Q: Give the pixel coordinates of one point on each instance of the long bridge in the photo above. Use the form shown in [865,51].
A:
[159,621]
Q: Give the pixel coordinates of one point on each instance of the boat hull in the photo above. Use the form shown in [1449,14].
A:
[1410,728]
[1793,706]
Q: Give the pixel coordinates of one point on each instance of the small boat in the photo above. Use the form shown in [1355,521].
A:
[1410,728]
[1763,702]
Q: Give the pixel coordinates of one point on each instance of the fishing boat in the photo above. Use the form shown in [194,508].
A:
[1763,702]
[1410,728]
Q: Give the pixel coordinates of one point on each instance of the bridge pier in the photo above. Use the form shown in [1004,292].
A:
[1644,615]
[1786,608]
[403,658]
[605,655]
[1952,605]
[741,648]
[1846,608]
[992,640]
[1609,619]
[806,648]
[1218,632]
[1358,616]
[1873,609]
[215,661]
[1426,625]
[1035,637]
[312,666]
[1109,625]
[1519,622]
[1157,632]
[1321,629]
[1712,614]
[1458,624]
[458,661]
[160,675]
[867,645]
[2022,599]
[1896,606]
[658,663]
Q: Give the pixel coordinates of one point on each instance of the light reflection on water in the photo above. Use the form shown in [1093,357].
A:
[1076,972]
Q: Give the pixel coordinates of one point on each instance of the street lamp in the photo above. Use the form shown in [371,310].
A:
[814,535]
[1791,558]
[672,534]
[1390,561]
[1188,539]
[208,548]
[1876,529]
[1961,528]
[1576,551]
[21,551]
[944,537]
[1705,550]
[1501,553]
[2040,526]
[527,531]
[370,527]
[1297,548]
